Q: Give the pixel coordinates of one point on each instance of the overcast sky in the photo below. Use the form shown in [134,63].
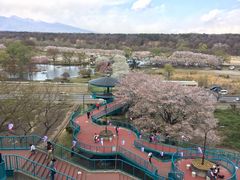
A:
[132,16]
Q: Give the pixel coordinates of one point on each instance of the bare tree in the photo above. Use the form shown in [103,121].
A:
[67,56]
[52,52]
[30,108]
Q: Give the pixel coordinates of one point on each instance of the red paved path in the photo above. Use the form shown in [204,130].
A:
[87,132]
[188,173]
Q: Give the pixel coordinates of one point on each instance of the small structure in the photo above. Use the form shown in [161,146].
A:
[102,87]
[185,83]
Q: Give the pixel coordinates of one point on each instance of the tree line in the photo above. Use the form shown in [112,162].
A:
[217,44]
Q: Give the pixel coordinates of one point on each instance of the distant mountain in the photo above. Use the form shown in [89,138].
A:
[15,23]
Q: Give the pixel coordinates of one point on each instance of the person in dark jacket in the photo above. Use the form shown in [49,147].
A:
[1,160]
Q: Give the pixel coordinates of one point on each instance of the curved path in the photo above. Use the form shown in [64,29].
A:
[88,129]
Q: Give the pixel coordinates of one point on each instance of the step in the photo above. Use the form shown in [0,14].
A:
[26,163]
[44,162]
[46,173]
[60,169]
[66,168]
[36,158]
[71,171]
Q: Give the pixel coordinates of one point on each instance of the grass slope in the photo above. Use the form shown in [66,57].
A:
[231,132]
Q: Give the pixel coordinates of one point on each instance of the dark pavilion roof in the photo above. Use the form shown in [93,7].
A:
[104,82]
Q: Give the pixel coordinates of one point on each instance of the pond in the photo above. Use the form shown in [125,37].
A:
[47,71]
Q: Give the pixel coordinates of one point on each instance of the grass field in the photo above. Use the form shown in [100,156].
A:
[231,131]
[205,78]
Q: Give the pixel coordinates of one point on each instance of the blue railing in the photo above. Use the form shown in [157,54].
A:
[27,166]
[2,170]
[66,154]
[17,142]
[110,149]
[96,119]
[210,155]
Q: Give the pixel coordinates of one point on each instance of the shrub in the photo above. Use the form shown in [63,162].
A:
[85,73]
[69,130]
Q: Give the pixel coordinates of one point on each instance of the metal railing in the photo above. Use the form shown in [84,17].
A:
[193,154]
[27,166]
[110,149]
[165,144]
[13,143]
[2,170]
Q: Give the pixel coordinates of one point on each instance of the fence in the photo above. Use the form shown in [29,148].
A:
[22,142]
[193,154]
[165,144]
[2,170]
[21,164]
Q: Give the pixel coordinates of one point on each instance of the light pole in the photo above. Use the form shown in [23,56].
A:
[106,128]
[83,102]
[116,153]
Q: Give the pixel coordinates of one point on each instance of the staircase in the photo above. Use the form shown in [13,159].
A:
[60,165]
[37,165]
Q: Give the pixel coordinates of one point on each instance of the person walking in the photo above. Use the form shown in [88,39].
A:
[116,130]
[52,163]
[150,138]
[88,114]
[105,108]
[52,173]
[97,105]
[49,150]
[1,158]
[150,157]
[32,149]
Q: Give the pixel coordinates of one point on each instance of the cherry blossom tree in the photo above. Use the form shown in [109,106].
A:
[168,108]
[104,67]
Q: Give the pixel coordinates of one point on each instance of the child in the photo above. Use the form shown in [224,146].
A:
[150,157]
[97,105]
[96,138]
[116,129]
[32,148]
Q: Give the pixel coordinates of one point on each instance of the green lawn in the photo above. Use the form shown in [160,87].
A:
[231,131]
[85,80]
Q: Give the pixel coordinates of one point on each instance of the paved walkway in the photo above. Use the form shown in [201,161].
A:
[188,173]
[87,133]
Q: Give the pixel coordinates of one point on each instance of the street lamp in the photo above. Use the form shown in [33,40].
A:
[106,118]
[83,102]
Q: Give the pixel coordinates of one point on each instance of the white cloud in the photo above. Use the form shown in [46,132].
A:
[140,4]
[121,16]
[224,21]
[211,15]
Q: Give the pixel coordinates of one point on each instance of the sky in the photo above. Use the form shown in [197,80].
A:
[132,16]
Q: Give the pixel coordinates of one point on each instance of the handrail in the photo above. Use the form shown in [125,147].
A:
[157,146]
[210,155]
[16,162]
[159,154]
[22,142]
[2,170]
[108,149]
[79,159]
[96,119]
